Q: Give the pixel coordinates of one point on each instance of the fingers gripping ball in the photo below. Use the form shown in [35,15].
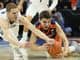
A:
[55,49]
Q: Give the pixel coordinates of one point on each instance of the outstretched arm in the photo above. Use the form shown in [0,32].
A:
[37,32]
[8,34]
[35,46]
[20,5]
[32,41]
[63,36]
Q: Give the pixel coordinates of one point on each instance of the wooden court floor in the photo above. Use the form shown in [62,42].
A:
[6,54]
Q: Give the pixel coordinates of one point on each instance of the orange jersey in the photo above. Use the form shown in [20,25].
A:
[55,49]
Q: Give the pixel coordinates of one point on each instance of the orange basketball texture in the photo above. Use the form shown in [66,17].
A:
[55,49]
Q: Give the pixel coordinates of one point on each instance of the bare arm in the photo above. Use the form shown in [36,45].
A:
[20,5]
[7,33]
[37,32]
[63,36]
[34,46]
[32,41]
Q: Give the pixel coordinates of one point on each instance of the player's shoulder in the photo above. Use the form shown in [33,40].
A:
[3,23]
[2,20]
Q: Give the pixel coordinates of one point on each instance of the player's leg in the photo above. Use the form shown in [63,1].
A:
[77,46]
[73,47]
[24,53]
[16,54]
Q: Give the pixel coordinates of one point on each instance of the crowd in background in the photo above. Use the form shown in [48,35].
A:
[67,12]
[70,4]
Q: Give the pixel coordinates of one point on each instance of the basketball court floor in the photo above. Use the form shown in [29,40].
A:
[6,54]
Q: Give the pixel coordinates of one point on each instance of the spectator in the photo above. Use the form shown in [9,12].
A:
[1,5]
[58,16]
[78,5]
[49,26]
[74,4]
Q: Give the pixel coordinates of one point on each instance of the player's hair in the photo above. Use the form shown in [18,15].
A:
[10,6]
[45,14]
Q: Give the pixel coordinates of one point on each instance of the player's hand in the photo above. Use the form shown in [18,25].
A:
[43,47]
[65,53]
[24,44]
[50,41]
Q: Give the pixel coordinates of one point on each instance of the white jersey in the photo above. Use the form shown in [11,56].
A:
[14,28]
[38,6]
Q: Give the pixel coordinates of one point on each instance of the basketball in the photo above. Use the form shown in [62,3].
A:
[55,49]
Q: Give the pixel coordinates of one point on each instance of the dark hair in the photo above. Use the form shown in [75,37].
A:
[10,6]
[44,14]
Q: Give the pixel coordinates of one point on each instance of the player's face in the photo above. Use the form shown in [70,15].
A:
[45,23]
[13,15]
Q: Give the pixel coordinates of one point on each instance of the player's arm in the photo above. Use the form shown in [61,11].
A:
[32,41]
[53,5]
[7,34]
[20,5]
[37,32]
[34,46]
[63,36]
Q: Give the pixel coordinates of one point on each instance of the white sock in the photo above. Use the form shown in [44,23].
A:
[72,48]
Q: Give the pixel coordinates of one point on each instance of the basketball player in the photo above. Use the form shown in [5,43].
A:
[52,29]
[17,52]
[36,6]
[9,22]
